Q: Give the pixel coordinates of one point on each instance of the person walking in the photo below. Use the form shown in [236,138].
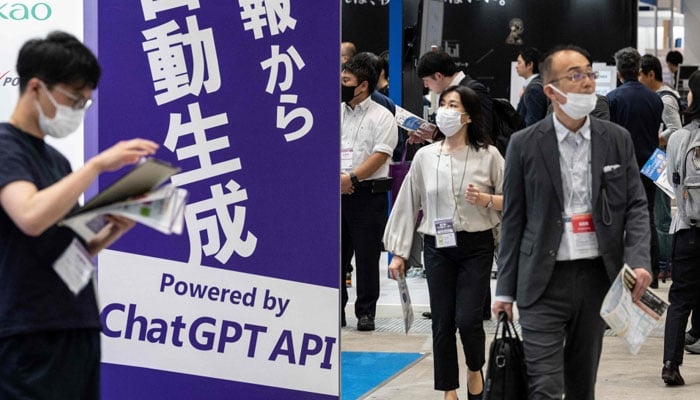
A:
[456,181]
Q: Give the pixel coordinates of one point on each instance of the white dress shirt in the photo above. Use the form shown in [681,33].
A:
[366,129]
[575,165]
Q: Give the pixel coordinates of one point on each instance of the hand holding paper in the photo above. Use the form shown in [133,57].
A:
[396,267]
[419,130]
[133,199]
[632,321]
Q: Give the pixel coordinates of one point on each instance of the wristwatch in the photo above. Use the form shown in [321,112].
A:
[353,179]
[490,203]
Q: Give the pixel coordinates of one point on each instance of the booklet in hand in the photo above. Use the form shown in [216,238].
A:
[413,123]
[655,169]
[137,196]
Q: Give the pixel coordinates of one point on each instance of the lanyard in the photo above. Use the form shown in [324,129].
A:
[461,184]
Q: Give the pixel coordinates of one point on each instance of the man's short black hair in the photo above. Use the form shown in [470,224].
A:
[531,55]
[59,58]
[674,57]
[433,62]
[546,63]
[627,62]
[365,67]
[651,63]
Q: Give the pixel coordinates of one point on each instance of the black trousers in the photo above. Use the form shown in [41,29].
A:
[458,281]
[650,191]
[684,294]
[563,332]
[363,217]
[51,365]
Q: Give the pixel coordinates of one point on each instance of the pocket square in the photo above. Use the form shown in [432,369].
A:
[610,168]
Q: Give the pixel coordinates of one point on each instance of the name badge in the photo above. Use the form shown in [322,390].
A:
[580,235]
[75,267]
[445,233]
[346,159]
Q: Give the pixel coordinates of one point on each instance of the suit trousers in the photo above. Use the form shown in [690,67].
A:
[458,281]
[684,294]
[363,217]
[563,332]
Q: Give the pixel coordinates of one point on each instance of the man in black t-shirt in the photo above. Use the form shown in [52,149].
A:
[49,330]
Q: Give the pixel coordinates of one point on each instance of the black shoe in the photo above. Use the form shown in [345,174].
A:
[671,375]
[365,323]
[479,396]
[427,315]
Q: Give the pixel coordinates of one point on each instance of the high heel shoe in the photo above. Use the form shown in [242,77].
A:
[478,396]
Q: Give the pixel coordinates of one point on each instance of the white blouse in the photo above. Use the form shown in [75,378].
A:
[436,183]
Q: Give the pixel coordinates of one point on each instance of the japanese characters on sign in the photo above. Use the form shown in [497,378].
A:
[167,47]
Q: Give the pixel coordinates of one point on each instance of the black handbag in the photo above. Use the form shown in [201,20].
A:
[506,376]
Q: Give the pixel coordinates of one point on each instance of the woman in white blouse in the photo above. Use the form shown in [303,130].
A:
[457,181]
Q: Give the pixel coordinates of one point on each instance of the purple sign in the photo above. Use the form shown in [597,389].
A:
[242,95]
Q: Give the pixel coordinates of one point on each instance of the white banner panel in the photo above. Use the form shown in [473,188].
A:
[176,317]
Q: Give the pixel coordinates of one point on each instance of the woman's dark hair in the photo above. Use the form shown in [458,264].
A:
[477,135]
[693,110]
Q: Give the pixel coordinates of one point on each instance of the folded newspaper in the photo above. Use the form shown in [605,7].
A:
[138,197]
[633,322]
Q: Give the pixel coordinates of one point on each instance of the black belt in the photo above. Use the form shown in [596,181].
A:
[366,184]
[381,185]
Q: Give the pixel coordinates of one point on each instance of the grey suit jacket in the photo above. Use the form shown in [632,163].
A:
[532,225]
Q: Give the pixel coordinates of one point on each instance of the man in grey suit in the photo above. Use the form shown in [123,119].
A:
[574,211]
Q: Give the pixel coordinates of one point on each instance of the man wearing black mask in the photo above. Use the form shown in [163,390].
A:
[368,137]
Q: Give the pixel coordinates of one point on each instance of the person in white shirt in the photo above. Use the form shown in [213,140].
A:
[650,75]
[368,137]
[457,181]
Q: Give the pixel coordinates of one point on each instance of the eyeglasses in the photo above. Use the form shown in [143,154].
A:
[579,76]
[79,103]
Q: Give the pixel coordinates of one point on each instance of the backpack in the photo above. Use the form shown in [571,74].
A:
[682,106]
[688,177]
[506,121]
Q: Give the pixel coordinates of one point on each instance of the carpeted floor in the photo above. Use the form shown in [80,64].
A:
[363,372]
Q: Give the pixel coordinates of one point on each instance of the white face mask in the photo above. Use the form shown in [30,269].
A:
[66,121]
[449,121]
[577,105]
